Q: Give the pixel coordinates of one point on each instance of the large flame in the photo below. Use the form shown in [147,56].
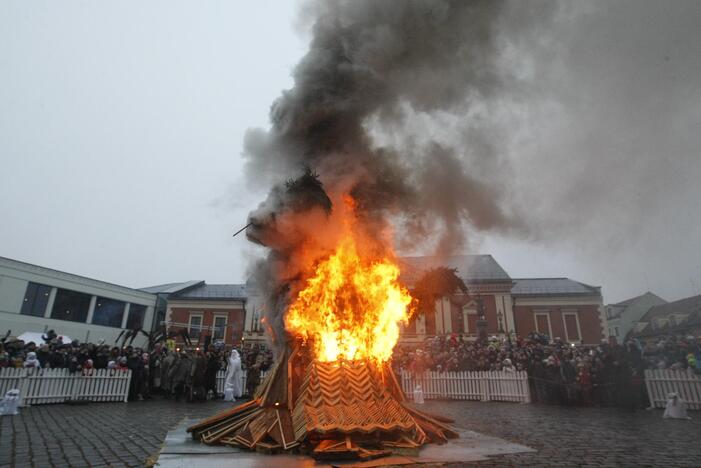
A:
[351,307]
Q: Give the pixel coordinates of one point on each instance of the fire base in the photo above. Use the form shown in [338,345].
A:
[339,410]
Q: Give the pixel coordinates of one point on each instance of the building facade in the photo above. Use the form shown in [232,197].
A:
[623,315]
[558,307]
[489,293]
[208,313]
[682,318]
[37,299]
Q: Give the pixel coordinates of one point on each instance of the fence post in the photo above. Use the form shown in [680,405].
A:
[484,385]
[527,386]
[22,386]
[126,390]
[648,385]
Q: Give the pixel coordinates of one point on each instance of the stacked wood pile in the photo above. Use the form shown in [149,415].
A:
[331,410]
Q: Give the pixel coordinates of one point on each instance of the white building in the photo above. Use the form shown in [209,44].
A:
[623,315]
[37,299]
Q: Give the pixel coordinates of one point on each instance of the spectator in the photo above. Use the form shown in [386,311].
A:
[558,372]
[166,380]
[197,377]
[210,378]
[179,373]
[31,361]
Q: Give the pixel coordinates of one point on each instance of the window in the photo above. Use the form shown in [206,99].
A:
[108,312]
[421,324]
[256,325]
[71,305]
[572,330]
[219,327]
[35,299]
[136,316]
[194,328]
[542,323]
[616,328]
[469,317]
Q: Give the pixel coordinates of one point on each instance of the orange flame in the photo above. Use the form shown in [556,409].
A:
[351,306]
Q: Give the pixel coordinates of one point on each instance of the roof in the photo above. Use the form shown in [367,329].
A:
[628,302]
[170,288]
[471,268]
[65,276]
[552,286]
[213,292]
[690,305]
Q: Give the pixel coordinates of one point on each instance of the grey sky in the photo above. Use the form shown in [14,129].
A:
[122,123]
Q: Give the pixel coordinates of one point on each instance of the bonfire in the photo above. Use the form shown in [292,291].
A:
[332,392]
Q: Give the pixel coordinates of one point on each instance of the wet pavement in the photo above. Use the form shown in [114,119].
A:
[132,434]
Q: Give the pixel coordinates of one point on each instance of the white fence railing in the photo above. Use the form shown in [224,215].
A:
[484,386]
[662,382]
[41,386]
[59,385]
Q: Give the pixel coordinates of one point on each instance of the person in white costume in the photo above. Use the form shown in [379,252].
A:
[676,408]
[233,384]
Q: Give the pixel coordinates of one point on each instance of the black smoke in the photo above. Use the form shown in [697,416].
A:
[372,64]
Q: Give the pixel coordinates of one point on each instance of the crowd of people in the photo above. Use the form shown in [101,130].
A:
[167,371]
[558,372]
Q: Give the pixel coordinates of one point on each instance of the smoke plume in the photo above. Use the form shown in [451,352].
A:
[371,65]
[563,123]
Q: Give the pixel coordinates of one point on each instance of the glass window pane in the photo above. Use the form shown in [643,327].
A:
[195,327]
[136,316]
[571,324]
[108,312]
[35,299]
[71,305]
[219,327]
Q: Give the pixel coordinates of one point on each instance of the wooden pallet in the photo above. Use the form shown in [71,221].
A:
[342,410]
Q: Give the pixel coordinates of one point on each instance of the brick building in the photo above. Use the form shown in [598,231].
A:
[559,307]
[214,310]
[489,288]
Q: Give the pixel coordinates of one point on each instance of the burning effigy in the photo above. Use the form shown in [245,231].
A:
[333,299]
[332,392]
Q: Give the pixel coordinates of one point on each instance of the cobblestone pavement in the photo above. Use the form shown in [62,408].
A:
[565,436]
[127,434]
[97,434]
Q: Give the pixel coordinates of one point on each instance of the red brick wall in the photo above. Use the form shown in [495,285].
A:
[234,321]
[588,321]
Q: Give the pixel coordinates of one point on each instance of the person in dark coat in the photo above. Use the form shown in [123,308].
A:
[166,365]
[136,366]
[210,376]
[197,377]
[179,374]
[253,376]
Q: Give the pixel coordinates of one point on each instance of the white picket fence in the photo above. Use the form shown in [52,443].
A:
[662,382]
[483,386]
[42,386]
